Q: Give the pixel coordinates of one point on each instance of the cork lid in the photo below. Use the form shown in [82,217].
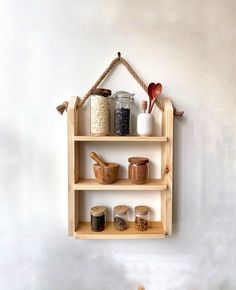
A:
[98,210]
[101,92]
[138,160]
[121,209]
[141,209]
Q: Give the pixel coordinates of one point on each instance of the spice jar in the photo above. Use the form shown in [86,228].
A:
[121,217]
[138,170]
[123,102]
[99,112]
[98,218]
[141,218]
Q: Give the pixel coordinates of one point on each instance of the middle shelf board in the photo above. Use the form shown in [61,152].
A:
[121,138]
[121,184]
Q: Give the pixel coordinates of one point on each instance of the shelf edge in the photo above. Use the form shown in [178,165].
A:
[120,139]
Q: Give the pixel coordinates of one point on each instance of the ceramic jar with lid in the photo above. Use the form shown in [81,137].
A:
[99,112]
[141,218]
[98,218]
[138,170]
[121,217]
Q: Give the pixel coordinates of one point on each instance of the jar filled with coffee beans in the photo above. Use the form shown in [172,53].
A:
[121,217]
[98,218]
[99,112]
[122,118]
[141,218]
[138,170]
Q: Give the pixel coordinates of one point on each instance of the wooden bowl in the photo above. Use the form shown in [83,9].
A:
[106,174]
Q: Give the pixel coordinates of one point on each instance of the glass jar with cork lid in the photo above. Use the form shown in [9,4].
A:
[124,102]
[99,112]
[98,218]
[121,217]
[141,218]
[138,170]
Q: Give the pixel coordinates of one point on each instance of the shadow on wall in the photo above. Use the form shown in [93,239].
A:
[84,268]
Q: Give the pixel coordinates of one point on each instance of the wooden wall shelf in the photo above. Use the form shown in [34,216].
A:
[82,230]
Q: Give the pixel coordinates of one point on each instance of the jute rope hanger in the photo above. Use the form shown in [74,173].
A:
[112,65]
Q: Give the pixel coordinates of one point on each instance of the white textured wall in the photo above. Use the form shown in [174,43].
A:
[50,50]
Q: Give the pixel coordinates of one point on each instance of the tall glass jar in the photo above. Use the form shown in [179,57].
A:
[99,112]
[123,106]
[141,218]
[98,218]
[121,217]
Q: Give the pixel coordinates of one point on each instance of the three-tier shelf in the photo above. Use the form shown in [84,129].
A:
[82,230]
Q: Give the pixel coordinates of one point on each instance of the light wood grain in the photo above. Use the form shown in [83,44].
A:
[120,139]
[155,231]
[73,165]
[75,185]
[121,184]
[167,165]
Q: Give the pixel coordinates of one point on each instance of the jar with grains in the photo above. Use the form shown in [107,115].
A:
[99,112]
[121,217]
[98,218]
[138,170]
[141,218]
[122,119]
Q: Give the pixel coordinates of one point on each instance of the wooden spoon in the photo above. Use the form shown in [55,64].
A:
[94,156]
[150,89]
[156,92]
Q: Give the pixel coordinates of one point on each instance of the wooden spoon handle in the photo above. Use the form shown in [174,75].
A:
[153,102]
[94,156]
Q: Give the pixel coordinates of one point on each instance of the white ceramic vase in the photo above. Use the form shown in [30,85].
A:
[145,124]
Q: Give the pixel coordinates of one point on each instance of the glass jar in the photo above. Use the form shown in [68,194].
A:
[122,120]
[121,217]
[138,170]
[98,218]
[141,218]
[99,112]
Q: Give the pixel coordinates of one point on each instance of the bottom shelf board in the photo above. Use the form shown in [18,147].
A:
[156,231]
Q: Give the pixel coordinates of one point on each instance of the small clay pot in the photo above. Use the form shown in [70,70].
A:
[106,174]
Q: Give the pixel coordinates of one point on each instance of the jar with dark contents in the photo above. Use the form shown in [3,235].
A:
[138,170]
[123,107]
[98,218]
[141,218]
[121,217]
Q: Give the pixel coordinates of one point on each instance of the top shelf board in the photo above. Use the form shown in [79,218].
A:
[121,138]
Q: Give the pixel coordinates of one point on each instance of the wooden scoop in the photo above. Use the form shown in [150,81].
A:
[150,88]
[94,156]
[154,91]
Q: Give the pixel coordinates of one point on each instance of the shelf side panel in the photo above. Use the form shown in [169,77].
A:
[73,165]
[167,165]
